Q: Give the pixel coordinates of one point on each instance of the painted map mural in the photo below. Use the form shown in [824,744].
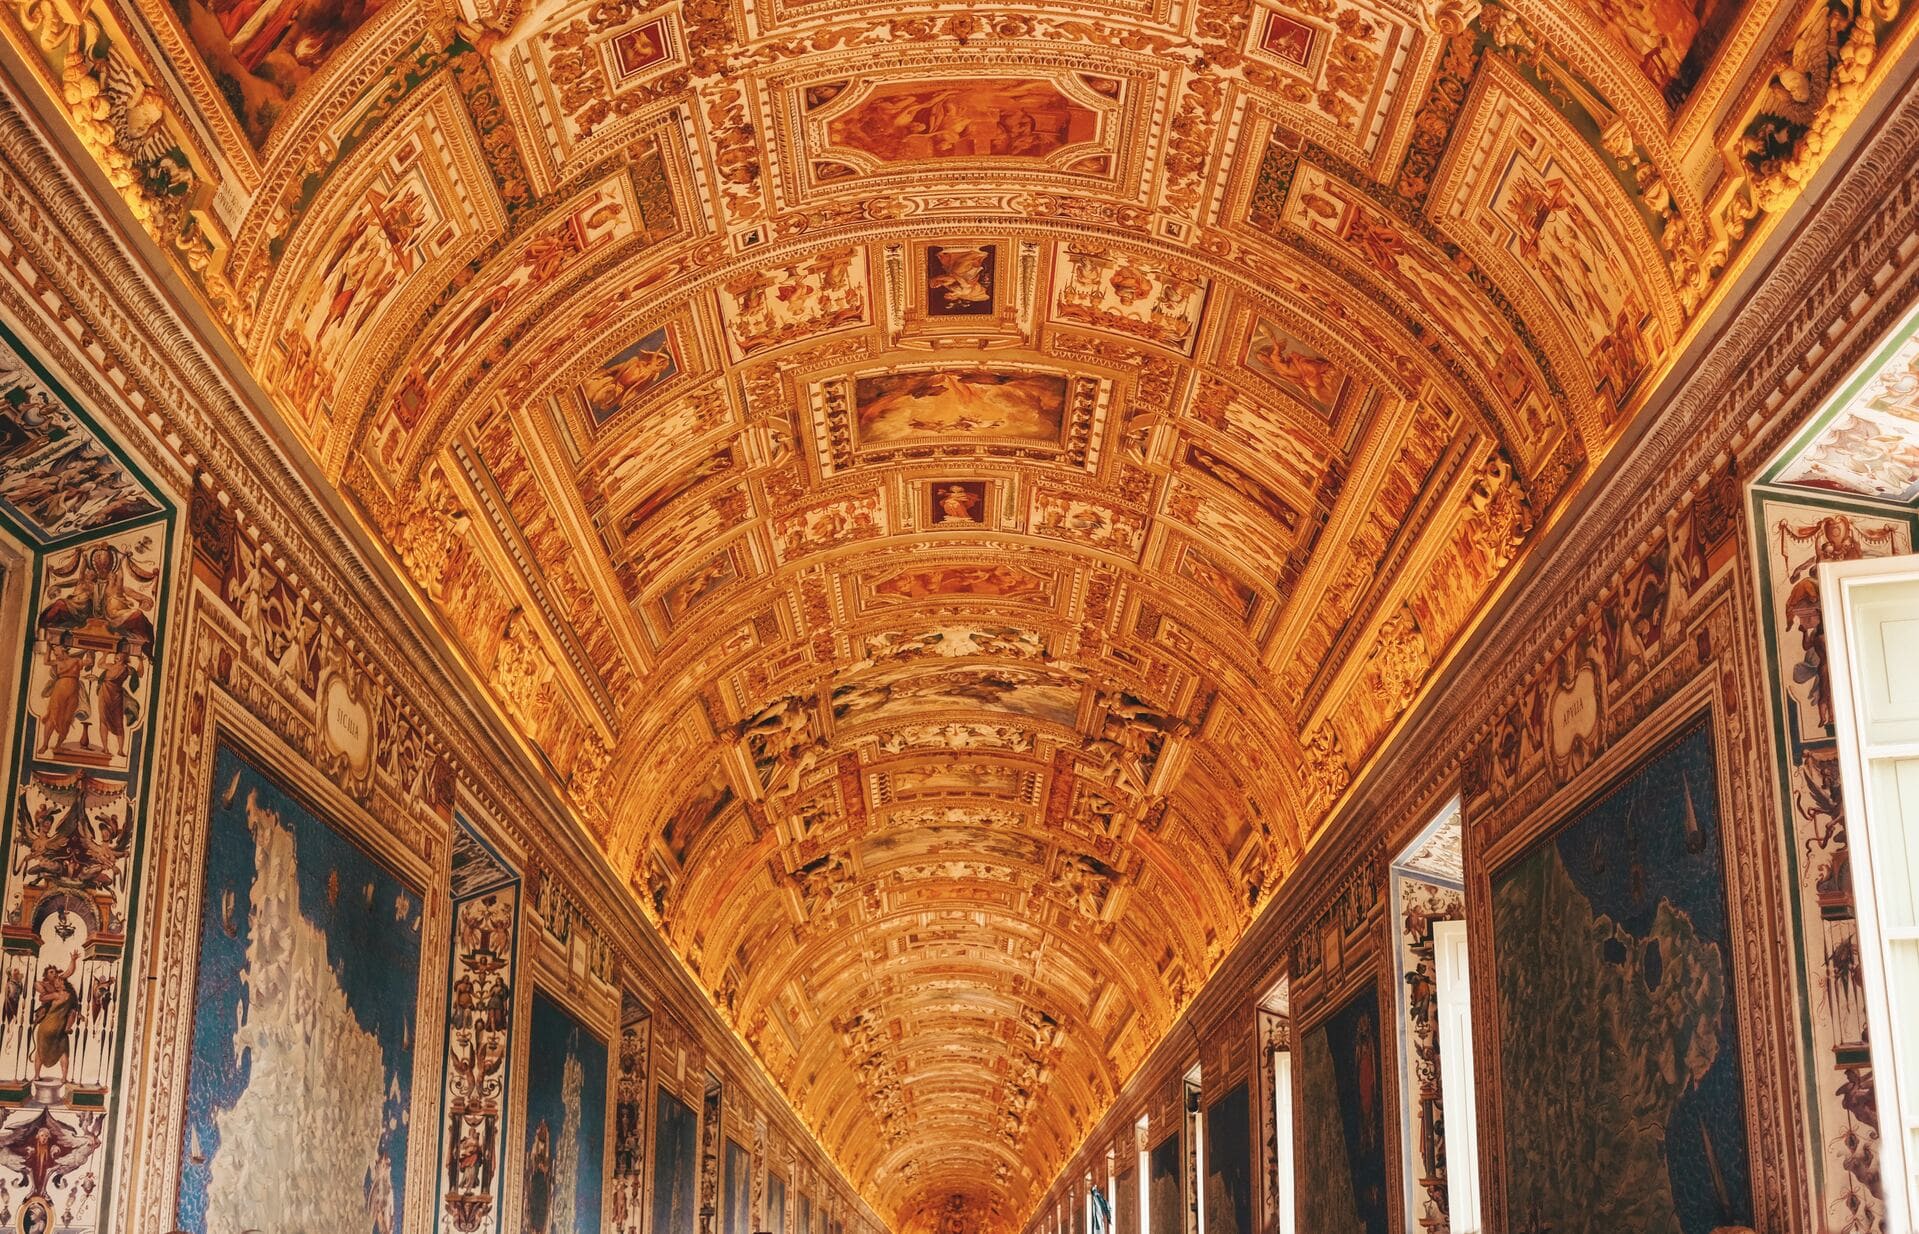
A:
[1162,1187]
[676,1162]
[302,1066]
[1229,1164]
[739,1189]
[565,1123]
[1617,922]
[1342,1123]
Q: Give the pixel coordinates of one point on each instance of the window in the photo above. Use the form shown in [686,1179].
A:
[1273,1021]
[1455,1024]
[1872,633]
[1142,1133]
[1439,1129]
[1195,1156]
[1286,1198]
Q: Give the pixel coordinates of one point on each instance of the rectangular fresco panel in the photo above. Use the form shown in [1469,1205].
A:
[906,408]
[961,279]
[93,650]
[775,1203]
[806,1214]
[1097,286]
[1618,921]
[738,1218]
[565,1123]
[259,55]
[1229,1164]
[1342,1123]
[1126,1201]
[1163,1193]
[56,476]
[993,117]
[1673,40]
[629,377]
[629,1117]
[676,1163]
[1300,370]
[478,1036]
[767,308]
[301,1074]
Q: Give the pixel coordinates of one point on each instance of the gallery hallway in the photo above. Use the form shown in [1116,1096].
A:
[1073,617]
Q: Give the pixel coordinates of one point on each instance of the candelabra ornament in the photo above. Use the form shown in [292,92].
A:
[706,1218]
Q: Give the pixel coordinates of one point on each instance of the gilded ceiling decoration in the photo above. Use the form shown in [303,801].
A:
[955,499]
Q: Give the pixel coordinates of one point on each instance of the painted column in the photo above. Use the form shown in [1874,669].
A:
[478,1044]
[101,544]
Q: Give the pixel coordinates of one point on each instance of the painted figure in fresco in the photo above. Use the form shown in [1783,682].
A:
[57,474]
[770,307]
[956,505]
[1003,118]
[381,1204]
[117,678]
[1659,32]
[100,999]
[44,1150]
[1366,1080]
[473,1155]
[377,249]
[1832,539]
[64,845]
[545,257]
[630,376]
[901,406]
[1289,40]
[1287,361]
[101,586]
[959,279]
[65,693]
[72,484]
[483,1057]
[54,1017]
[1098,287]
[539,1182]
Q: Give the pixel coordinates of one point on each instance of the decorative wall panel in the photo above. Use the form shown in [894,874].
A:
[1229,1163]
[1618,917]
[1794,532]
[1343,1122]
[1419,903]
[479,1042]
[565,1123]
[306,998]
[93,592]
[676,1158]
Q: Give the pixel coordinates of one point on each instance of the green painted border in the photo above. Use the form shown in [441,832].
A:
[139,779]
[1780,756]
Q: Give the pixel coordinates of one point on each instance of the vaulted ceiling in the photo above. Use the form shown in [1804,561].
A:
[954,498]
